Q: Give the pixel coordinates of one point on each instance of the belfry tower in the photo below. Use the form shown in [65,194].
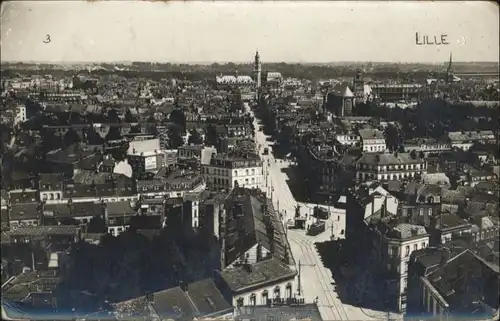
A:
[257,74]
[449,72]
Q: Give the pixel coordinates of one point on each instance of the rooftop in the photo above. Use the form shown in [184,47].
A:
[283,313]
[385,159]
[44,230]
[263,272]
[468,284]
[370,134]
[201,298]
[393,228]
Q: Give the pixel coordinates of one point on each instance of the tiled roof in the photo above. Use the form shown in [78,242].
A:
[263,272]
[44,230]
[384,159]
[200,299]
[24,211]
[465,282]
[370,134]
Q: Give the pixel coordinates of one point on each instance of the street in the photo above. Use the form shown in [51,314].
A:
[316,279]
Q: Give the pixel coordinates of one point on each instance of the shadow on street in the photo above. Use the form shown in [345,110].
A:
[278,152]
[353,282]
[294,183]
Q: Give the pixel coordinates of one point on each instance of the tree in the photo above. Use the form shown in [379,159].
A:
[93,138]
[177,117]
[129,118]
[71,137]
[135,129]
[112,116]
[195,138]
[175,139]
[113,134]
[97,225]
[393,137]
[151,125]
[211,135]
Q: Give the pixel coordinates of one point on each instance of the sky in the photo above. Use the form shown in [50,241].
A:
[219,31]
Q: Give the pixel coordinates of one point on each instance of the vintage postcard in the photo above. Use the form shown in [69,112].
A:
[250,160]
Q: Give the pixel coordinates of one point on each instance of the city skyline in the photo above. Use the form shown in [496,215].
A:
[223,32]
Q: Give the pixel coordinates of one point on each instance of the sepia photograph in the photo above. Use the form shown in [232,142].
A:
[250,160]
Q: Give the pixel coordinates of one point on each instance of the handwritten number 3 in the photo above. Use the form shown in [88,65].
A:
[47,40]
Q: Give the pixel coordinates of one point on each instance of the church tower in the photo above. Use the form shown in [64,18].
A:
[358,86]
[449,72]
[257,70]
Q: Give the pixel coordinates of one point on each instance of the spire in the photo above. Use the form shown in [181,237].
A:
[449,64]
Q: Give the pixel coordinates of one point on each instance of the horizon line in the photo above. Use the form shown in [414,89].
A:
[243,62]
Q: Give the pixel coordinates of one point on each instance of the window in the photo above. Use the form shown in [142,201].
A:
[405,284]
[253,299]
[195,213]
[415,247]
[265,296]
[288,290]
[277,292]
[239,302]
[407,250]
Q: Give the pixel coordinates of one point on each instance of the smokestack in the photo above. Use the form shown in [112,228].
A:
[445,256]
[183,286]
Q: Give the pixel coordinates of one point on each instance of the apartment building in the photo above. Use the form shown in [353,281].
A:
[393,242]
[372,141]
[236,168]
[452,284]
[383,167]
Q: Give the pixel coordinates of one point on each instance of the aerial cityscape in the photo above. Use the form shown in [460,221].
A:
[248,190]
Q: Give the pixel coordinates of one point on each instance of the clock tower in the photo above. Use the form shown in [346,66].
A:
[257,71]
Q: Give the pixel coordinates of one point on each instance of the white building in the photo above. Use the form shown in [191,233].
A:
[347,139]
[247,291]
[385,167]
[225,171]
[145,155]
[394,242]
[465,140]
[372,141]
[20,114]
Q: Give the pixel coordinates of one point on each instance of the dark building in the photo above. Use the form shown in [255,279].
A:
[340,100]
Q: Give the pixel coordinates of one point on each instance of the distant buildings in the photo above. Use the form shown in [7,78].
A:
[340,100]
[397,92]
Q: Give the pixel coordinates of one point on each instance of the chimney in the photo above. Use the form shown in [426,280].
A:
[105,212]
[183,286]
[445,256]
[248,267]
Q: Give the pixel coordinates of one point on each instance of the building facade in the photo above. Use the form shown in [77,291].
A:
[226,171]
[386,167]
